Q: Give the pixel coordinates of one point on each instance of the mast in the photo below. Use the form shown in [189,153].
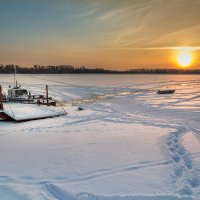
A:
[1,100]
[47,95]
[14,75]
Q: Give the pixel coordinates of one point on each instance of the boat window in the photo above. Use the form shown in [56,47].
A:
[20,92]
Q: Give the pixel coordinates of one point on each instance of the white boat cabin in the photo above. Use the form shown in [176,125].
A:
[18,92]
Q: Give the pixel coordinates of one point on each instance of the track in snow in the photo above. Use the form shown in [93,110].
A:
[185,175]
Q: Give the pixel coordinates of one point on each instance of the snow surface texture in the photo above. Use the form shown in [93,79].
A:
[128,143]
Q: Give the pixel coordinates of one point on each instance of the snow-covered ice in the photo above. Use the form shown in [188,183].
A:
[128,143]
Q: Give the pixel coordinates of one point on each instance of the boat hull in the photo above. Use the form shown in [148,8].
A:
[3,116]
[165,91]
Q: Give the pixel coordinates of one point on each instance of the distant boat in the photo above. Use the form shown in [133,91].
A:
[165,91]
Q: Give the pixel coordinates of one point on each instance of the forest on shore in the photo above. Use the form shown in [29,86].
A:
[68,69]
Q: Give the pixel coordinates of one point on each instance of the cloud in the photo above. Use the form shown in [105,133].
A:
[121,10]
[113,13]
[162,23]
[85,14]
[183,48]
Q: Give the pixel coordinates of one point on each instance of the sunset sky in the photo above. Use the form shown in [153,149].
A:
[114,34]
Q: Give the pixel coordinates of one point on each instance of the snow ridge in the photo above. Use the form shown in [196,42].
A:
[61,194]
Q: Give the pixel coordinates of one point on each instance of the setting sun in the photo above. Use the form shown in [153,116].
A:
[184,59]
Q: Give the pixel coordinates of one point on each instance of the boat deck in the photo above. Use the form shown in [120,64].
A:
[25,112]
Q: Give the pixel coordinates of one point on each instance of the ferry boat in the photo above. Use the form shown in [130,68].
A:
[20,105]
[18,94]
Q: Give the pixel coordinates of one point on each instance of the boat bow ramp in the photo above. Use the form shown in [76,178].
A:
[25,112]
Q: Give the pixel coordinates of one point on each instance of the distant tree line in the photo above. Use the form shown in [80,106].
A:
[164,71]
[51,69]
[68,69]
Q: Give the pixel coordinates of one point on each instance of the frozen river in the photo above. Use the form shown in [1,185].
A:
[129,143]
